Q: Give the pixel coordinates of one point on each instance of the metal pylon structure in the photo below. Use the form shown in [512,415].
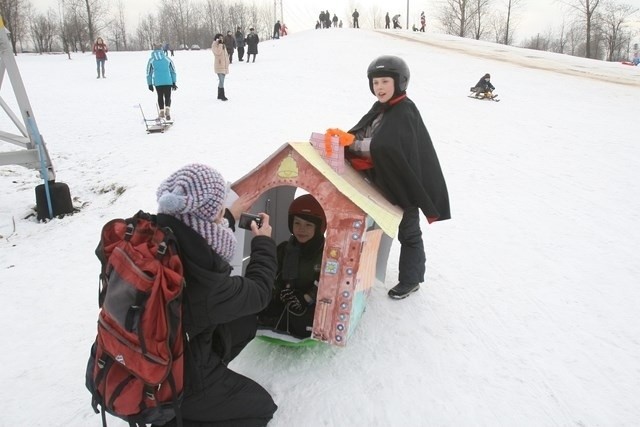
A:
[34,154]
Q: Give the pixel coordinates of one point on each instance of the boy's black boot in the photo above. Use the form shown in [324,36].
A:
[219,92]
[224,98]
[403,290]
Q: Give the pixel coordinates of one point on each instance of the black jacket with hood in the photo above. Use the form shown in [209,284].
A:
[213,298]
[405,163]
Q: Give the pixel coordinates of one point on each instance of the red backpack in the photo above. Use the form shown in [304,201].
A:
[135,369]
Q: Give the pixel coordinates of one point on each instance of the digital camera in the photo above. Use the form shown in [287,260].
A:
[246,218]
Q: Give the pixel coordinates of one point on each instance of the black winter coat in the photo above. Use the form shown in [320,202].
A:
[213,297]
[486,86]
[405,163]
[252,44]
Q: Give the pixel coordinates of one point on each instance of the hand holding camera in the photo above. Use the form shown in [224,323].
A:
[258,224]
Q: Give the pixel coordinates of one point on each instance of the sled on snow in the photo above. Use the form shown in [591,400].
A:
[484,96]
[361,226]
[158,125]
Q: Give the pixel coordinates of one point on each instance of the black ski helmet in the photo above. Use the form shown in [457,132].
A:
[389,66]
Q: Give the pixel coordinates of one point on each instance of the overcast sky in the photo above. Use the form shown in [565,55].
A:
[533,16]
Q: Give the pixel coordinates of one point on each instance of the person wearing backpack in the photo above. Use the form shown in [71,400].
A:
[219,309]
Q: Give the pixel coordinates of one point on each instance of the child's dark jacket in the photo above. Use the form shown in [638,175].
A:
[406,166]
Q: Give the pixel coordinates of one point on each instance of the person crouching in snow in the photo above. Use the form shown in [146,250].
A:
[161,73]
[393,150]
[484,88]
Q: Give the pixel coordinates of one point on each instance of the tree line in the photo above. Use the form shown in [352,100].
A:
[75,24]
[593,28]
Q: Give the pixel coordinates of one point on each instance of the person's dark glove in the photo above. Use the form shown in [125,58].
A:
[174,87]
[151,88]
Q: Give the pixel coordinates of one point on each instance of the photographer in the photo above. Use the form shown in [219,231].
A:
[221,63]
[219,308]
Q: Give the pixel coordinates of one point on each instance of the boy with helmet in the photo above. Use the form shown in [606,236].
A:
[299,261]
[484,88]
[394,150]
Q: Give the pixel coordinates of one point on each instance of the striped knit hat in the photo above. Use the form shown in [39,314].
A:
[195,194]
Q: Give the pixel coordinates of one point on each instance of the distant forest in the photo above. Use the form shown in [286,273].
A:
[598,29]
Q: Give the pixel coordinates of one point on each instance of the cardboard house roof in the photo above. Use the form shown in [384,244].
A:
[350,183]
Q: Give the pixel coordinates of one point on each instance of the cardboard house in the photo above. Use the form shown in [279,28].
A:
[361,225]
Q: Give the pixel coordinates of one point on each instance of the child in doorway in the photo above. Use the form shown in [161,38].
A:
[394,151]
[299,261]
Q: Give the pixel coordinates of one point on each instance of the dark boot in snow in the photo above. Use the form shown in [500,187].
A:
[221,94]
[403,290]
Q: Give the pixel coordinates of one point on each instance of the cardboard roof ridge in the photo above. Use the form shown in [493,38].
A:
[351,184]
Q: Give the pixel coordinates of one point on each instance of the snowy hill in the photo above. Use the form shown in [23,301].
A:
[529,313]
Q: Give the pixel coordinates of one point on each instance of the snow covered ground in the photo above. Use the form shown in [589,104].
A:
[529,315]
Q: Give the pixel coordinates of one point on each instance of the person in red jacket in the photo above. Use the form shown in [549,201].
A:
[100,50]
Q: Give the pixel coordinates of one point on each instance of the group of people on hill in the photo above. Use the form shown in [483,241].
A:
[325,20]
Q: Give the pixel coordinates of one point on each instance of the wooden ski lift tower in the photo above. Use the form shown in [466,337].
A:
[51,198]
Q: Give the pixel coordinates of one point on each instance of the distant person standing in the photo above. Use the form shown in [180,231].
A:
[240,44]
[276,30]
[220,63]
[161,73]
[252,44]
[335,20]
[355,15]
[423,22]
[230,45]
[283,30]
[387,21]
[100,50]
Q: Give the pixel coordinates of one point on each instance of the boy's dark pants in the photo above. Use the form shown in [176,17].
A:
[234,400]
[411,267]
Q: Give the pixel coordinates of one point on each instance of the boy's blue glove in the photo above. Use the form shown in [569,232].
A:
[174,87]
[151,88]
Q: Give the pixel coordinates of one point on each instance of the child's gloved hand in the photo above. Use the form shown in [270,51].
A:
[294,299]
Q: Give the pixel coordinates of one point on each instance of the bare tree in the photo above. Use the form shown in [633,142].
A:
[480,10]
[512,5]
[43,29]
[15,13]
[587,9]
[454,16]
[147,29]
[613,20]
[180,12]
[119,27]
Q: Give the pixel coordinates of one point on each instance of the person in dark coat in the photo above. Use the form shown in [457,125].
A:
[394,151]
[484,88]
[299,260]
[276,30]
[252,44]
[240,43]
[219,310]
[355,15]
[230,45]
[387,21]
